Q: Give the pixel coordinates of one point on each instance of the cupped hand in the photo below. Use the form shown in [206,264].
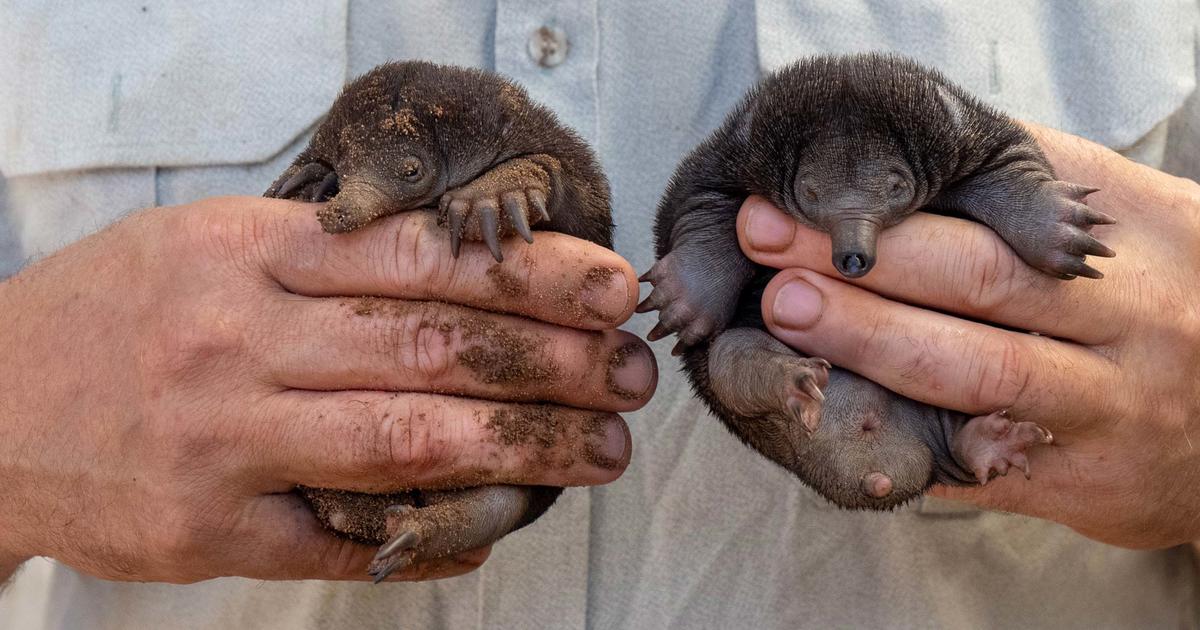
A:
[168,382]
[947,315]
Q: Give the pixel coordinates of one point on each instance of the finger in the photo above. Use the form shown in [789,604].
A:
[1015,493]
[956,266]
[1053,492]
[371,441]
[557,278]
[394,345]
[281,539]
[939,359]
[1056,492]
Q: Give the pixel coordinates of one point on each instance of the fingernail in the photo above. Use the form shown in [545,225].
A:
[610,452]
[631,371]
[768,229]
[604,293]
[797,305]
[616,440]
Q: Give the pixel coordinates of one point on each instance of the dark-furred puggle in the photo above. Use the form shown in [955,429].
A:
[851,145]
[472,147]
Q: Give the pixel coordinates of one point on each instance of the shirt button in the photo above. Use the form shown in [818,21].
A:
[548,46]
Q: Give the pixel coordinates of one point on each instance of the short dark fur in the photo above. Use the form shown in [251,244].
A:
[473,147]
[454,125]
[850,145]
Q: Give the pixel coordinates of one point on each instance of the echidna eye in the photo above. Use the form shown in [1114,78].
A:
[410,168]
[809,192]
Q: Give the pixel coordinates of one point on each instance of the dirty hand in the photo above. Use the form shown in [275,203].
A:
[1114,372]
[167,382]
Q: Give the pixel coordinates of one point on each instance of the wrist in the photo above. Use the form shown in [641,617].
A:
[15,545]
[9,566]
[14,509]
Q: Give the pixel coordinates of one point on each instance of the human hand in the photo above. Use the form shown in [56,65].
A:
[1114,372]
[167,382]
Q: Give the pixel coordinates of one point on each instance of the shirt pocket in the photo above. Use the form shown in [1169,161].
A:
[163,83]
[107,95]
[1110,72]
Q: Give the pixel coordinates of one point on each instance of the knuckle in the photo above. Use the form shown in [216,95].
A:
[189,446]
[877,337]
[920,366]
[416,255]
[180,540]
[1165,309]
[1184,202]
[414,338]
[412,442]
[989,270]
[370,449]
[1181,312]
[997,374]
[419,342]
[196,337]
[195,522]
[228,228]
[341,559]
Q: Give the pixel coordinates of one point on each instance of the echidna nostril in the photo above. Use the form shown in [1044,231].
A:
[853,264]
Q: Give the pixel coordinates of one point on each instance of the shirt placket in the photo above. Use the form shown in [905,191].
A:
[550,48]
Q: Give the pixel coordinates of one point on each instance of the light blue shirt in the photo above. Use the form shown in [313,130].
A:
[109,107]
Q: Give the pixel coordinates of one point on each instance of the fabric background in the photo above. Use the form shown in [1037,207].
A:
[699,532]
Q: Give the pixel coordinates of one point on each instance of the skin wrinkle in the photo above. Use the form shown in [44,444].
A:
[884,338]
[430,356]
[876,340]
[993,274]
[1031,284]
[395,248]
[321,263]
[920,369]
[433,265]
[999,374]
[214,232]
[271,242]
[391,265]
[526,264]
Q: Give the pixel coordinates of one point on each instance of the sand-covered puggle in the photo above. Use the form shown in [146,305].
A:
[851,145]
[472,147]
